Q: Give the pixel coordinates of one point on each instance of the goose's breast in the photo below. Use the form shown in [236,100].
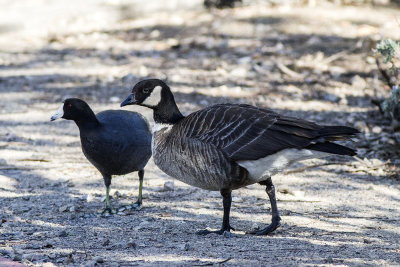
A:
[195,163]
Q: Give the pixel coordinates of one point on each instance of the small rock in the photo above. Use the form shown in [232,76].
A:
[332,98]
[72,209]
[169,186]
[377,129]
[48,245]
[185,247]
[244,60]
[131,244]
[17,257]
[90,264]
[360,125]
[90,198]
[98,259]
[329,260]
[255,226]
[26,198]
[106,242]
[62,233]
[358,82]
[366,241]
[63,209]
[239,72]
[48,264]
[7,251]
[227,234]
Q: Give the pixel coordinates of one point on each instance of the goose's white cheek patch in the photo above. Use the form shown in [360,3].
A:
[58,114]
[154,98]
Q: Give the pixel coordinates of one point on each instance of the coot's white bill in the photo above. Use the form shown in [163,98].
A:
[58,114]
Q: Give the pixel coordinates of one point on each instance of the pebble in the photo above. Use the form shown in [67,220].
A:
[169,186]
[98,259]
[239,72]
[360,125]
[90,264]
[228,234]
[90,198]
[63,209]
[17,257]
[255,226]
[184,247]
[377,129]
[106,242]
[131,244]
[7,251]
[62,233]
[332,98]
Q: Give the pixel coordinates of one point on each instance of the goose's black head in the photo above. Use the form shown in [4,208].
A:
[149,93]
[74,109]
[155,94]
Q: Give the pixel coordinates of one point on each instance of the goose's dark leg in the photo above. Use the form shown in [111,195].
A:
[270,189]
[227,200]
[138,204]
[107,182]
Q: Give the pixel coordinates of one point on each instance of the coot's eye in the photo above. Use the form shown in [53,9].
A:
[145,90]
[69,105]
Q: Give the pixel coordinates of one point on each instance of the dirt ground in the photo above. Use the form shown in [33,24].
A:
[314,62]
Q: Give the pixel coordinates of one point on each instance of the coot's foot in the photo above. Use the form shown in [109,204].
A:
[135,206]
[269,229]
[108,212]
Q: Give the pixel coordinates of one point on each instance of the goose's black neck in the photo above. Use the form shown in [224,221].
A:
[167,111]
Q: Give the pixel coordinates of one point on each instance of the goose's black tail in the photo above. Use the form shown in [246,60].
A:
[334,133]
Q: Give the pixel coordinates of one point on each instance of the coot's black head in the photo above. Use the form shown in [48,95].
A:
[149,93]
[73,109]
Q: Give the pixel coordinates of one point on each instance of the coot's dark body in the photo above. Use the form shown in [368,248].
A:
[119,144]
[116,142]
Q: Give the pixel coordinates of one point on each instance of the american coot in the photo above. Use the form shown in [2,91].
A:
[116,142]
[228,146]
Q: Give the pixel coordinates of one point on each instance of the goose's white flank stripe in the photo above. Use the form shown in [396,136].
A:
[273,164]
[154,98]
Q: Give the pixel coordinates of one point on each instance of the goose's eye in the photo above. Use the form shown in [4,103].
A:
[145,90]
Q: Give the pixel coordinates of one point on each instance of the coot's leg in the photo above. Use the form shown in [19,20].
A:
[227,200]
[270,189]
[107,182]
[138,204]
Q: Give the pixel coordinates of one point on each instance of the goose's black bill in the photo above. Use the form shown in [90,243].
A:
[129,101]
